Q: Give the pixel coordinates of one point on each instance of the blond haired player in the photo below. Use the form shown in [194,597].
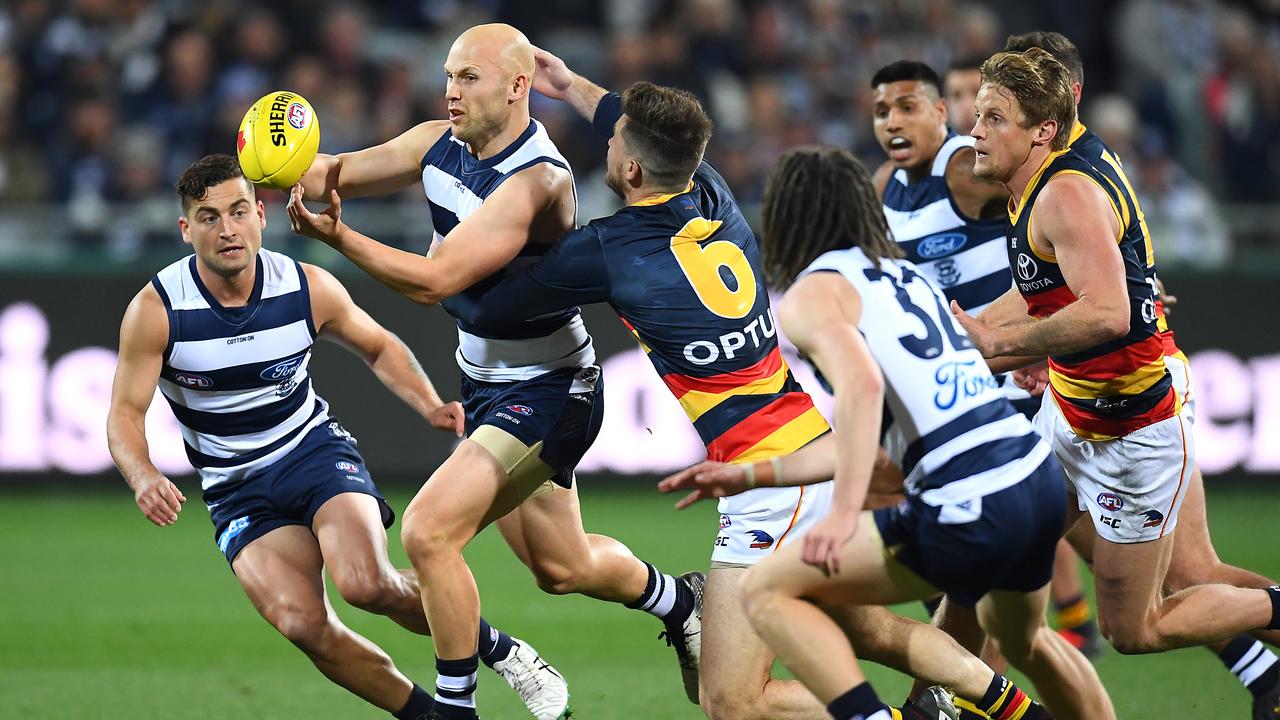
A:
[1083,271]
[500,195]
[226,333]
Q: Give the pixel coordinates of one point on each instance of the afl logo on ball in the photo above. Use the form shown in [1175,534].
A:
[297,115]
[1027,268]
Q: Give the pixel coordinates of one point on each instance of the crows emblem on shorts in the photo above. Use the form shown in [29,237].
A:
[1154,518]
[763,540]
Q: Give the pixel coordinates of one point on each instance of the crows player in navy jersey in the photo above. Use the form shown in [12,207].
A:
[1194,558]
[226,333]
[500,195]
[681,267]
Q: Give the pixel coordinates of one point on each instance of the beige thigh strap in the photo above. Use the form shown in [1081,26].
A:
[522,463]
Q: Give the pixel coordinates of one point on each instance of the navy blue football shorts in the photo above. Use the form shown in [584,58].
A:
[1009,545]
[291,490]
[557,415]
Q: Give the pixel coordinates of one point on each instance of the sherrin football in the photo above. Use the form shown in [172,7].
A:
[278,139]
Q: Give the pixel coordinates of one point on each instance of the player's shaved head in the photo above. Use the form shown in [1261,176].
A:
[498,44]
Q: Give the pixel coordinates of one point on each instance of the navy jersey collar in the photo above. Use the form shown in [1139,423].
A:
[236,315]
[470,164]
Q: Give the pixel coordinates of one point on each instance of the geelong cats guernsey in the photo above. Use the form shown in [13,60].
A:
[237,378]
[456,183]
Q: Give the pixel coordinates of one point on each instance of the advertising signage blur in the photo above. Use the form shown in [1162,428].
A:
[57,355]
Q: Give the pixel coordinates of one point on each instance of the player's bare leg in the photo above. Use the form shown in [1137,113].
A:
[809,641]
[1072,613]
[1135,618]
[354,545]
[546,533]
[1065,679]
[281,572]
[466,493]
[736,681]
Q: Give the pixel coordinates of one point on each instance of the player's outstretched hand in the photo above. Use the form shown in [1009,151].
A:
[324,226]
[449,417]
[821,546]
[707,480]
[159,499]
[552,78]
[978,331]
[1033,378]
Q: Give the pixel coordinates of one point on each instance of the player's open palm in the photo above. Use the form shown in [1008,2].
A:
[449,417]
[821,546]
[707,480]
[552,77]
[324,225]
[159,499]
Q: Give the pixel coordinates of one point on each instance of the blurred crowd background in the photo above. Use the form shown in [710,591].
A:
[104,102]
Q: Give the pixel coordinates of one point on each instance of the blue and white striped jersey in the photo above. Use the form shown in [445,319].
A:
[961,439]
[236,378]
[456,183]
[964,257]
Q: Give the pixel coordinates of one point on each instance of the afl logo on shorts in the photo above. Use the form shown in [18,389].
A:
[192,380]
[521,409]
[1027,267]
[347,467]
[297,115]
[1110,502]
[725,522]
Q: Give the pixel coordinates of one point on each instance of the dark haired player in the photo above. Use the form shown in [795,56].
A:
[680,266]
[985,501]
[226,333]
[960,88]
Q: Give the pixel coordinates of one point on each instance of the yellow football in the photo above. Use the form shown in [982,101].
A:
[278,139]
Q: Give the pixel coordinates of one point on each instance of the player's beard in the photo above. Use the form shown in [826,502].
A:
[613,178]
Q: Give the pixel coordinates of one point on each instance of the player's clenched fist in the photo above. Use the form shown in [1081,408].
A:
[159,499]
[822,544]
[449,417]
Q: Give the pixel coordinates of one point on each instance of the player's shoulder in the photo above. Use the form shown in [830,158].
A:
[146,320]
[420,138]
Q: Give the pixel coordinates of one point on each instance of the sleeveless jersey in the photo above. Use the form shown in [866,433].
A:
[962,256]
[456,183]
[1091,148]
[237,378]
[1119,386]
[682,271]
[963,439]
[965,257]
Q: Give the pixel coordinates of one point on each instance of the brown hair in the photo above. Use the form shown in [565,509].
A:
[1054,43]
[667,130]
[1040,84]
[203,174]
[819,198]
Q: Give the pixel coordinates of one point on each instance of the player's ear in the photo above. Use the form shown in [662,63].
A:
[1045,132]
[520,86]
[262,214]
[185,227]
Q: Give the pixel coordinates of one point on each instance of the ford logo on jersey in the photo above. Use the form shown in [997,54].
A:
[958,380]
[282,369]
[192,380]
[1110,502]
[938,245]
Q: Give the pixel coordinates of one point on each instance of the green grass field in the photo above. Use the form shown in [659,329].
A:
[105,616]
